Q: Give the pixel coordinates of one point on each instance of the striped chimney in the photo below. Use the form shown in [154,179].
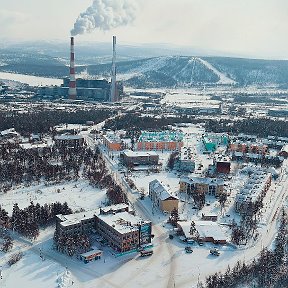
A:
[113,96]
[72,93]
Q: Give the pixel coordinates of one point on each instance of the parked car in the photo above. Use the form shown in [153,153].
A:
[171,236]
[215,252]
[146,253]
[200,243]
[188,249]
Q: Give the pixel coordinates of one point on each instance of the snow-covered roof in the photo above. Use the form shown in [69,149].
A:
[76,218]
[285,148]
[115,207]
[254,186]
[200,180]
[69,137]
[130,153]
[205,229]
[122,222]
[92,252]
[10,131]
[162,191]
[209,229]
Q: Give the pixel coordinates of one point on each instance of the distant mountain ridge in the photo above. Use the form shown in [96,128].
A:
[153,72]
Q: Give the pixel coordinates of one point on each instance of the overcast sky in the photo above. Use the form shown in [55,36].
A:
[253,28]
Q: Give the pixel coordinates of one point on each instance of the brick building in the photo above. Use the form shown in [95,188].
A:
[165,140]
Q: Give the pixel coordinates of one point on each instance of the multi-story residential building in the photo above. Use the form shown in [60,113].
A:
[116,224]
[123,231]
[211,186]
[222,164]
[162,197]
[112,141]
[165,140]
[254,189]
[248,147]
[186,160]
[69,141]
[212,141]
[139,158]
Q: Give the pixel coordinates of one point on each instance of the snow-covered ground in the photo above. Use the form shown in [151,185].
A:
[78,194]
[169,266]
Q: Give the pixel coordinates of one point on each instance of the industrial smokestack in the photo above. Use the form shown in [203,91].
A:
[72,93]
[114,93]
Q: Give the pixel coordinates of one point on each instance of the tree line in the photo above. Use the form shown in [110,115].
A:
[269,270]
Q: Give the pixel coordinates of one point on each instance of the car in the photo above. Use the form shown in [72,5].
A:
[207,204]
[200,243]
[171,236]
[188,249]
[194,207]
[214,252]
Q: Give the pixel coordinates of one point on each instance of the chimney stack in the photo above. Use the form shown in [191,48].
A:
[114,96]
[72,93]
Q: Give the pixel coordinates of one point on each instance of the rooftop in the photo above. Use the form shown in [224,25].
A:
[163,136]
[162,191]
[130,153]
[122,222]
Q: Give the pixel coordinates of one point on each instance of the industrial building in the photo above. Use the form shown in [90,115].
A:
[85,89]
[157,141]
[211,186]
[162,197]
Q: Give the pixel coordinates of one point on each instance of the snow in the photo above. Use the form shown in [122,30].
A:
[78,194]
[223,78]
[31,80]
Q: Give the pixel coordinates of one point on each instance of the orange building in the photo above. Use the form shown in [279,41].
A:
[165,140]
[112,142]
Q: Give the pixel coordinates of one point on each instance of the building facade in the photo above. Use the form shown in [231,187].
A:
[252,192]
[122,230]
[157,141]
[210,186]
[139,158]
[161,196]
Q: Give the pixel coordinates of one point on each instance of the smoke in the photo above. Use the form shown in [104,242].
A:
[105,15]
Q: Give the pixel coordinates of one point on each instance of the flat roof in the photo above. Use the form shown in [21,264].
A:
[123,222]
[92,252]
[130,153]
[76,218]
[205,229]
[69,137]
[162,136]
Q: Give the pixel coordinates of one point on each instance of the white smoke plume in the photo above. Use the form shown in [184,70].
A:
[105,15]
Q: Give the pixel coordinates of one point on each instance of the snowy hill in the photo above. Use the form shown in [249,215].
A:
[154,72]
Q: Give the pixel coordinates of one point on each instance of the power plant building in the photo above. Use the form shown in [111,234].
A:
[85,89]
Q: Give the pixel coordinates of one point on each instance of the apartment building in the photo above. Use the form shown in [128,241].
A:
[210,186]
[122,230]
[162,197]
[254,189]
[164,140]
[139,158]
